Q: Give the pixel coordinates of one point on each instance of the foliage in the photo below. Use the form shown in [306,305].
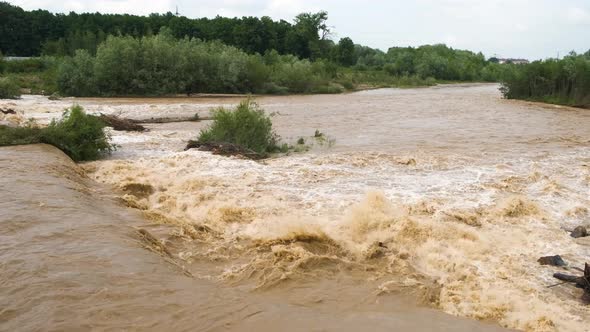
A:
[344,52]
[246,126]
[32,33]
[24,66]
[161,64]
[9,89]
[79,135]
[110,55]
[37,75]
[28,134]
[438,61]
[565,81]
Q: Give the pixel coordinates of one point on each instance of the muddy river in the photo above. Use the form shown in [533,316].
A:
[419,209]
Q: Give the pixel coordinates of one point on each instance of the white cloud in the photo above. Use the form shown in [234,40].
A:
[138,7]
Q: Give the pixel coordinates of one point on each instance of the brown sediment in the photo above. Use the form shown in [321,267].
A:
[450,194]
[74,258]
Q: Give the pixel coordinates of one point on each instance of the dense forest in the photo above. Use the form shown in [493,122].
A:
[107,55]
[33,33]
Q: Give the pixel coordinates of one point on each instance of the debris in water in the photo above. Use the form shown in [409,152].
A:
[579,231]
[552,260]
[121,124]
[8,111]
[580,282]
[224,149]
[154,245]
[193,118]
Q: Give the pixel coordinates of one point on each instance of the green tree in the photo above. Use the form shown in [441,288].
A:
[345,52]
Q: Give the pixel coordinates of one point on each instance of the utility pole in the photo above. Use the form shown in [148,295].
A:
[177,13]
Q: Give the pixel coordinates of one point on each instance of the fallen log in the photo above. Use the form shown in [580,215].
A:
[224,149]
[194,118]
[8,111]
[121,124]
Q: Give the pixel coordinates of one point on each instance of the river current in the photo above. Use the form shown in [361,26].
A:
[415,204]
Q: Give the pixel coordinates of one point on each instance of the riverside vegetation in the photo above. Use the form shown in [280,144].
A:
[81,136]
[95,54]
[113,55]
[565,81]
[245,131]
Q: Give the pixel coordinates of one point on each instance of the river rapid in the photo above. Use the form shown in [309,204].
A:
[416,203]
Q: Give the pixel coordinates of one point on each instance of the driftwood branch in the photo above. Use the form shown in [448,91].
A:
[224,149]
[121,124]
[579,281]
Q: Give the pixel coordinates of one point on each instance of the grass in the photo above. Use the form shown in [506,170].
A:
[79,135]
[38,83]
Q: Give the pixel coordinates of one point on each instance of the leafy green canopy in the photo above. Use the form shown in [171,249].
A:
[246,126]
[161,64]
[565,81]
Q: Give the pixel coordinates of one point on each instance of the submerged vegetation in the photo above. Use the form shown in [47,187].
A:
[79,135]
[565,81]
[247,126]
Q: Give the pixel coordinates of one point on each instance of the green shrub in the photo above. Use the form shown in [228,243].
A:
[19,135]
[79,135]
[247,126]
[9,89]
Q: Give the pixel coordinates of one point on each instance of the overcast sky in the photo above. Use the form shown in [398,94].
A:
[532,29]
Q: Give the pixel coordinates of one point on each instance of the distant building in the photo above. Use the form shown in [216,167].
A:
[514,61]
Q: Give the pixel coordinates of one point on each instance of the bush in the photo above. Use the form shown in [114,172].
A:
[9,89]
[79,135]
[247,126]
[20,135]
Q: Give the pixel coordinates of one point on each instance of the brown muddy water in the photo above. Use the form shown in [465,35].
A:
[418,203]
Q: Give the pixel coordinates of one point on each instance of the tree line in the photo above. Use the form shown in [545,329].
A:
[106,54]
[561,81]
[37,32]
